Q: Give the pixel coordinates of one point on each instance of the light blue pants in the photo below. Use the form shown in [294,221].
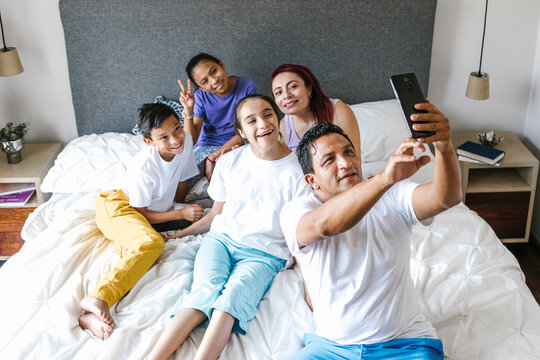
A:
[318,348]
[230,277]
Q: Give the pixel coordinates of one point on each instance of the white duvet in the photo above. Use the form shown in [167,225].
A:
[470,286]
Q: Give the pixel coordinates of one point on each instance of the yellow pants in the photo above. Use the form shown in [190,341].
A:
[134,239]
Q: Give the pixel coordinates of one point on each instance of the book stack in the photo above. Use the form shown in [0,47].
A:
[12,194]
[477,153]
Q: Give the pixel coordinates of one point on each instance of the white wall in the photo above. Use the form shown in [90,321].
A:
[511,58]
[41,94]
[509,50]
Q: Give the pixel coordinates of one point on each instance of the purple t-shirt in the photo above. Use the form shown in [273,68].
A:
[218,112]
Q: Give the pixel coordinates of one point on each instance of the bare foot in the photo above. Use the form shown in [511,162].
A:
[98,307]
[91,322]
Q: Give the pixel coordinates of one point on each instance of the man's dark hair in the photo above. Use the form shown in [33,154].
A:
[152,116]
[196,60]
[319,130]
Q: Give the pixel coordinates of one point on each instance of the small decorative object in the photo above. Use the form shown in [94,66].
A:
[489,139]
[11,138]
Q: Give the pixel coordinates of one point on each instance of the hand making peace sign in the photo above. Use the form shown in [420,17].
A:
[186,96]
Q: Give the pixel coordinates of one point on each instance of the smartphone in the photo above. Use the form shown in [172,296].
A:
[408,92]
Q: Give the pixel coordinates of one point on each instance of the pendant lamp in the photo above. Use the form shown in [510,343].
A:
[10,64]
[478,86]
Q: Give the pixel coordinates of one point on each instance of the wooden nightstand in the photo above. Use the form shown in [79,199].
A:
[502,195]
[37,159]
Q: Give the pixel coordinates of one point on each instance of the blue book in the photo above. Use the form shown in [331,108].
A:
[480,152]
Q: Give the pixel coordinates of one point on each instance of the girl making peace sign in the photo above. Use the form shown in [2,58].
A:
[209,113]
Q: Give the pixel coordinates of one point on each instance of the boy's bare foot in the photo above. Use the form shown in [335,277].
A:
[91,322]
[98,307]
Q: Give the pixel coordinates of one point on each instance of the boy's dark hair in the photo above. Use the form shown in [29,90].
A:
[152,116]
[196,60]
[316,132]
[268,99]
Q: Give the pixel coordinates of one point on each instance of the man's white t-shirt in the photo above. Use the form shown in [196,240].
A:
[359,281]
[254,191]
[151,181]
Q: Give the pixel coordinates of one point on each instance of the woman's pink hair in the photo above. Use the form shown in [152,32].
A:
[319,104]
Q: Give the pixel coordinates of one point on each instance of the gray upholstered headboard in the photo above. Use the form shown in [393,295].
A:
[124,53]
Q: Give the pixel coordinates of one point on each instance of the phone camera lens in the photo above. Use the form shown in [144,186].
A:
[406,79]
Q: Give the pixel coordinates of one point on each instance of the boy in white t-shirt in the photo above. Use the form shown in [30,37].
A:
[154,177]
[351,239]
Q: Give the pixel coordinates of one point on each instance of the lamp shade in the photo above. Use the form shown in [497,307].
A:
[10,64]
[478,86]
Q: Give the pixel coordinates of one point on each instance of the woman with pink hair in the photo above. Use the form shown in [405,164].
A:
[299,96]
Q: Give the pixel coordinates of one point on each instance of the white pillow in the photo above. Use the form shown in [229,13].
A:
[92,162]
[382,128]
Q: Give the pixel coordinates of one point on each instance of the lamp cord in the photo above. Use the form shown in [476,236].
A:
[483,36]
[3,39]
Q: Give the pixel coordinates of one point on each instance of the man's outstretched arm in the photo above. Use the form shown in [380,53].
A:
[445,191]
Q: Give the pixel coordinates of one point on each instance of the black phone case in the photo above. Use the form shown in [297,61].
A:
[408,92]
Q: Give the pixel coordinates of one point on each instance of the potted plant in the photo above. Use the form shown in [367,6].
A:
[11,138]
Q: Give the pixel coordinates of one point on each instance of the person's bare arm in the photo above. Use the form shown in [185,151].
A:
[192,125]
[343,211]
[181,192]
[445,191]
[203,225]
[283,132]
[344,118]
[231,144]
[190,212]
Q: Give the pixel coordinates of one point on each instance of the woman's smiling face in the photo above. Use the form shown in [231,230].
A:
[290,93]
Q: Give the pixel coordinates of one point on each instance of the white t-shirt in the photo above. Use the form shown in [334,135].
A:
[151,181]
[359,281]
[254,191]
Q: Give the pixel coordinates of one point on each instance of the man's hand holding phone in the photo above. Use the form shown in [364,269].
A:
[433,120]
[409,93]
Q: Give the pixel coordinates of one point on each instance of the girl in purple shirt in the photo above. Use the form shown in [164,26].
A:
[209,113]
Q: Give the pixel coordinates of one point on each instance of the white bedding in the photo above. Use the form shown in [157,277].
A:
[470,286]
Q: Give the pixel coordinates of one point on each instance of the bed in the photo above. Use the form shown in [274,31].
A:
[469,285]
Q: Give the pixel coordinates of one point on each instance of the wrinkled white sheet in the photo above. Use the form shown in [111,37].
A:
[469,285]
